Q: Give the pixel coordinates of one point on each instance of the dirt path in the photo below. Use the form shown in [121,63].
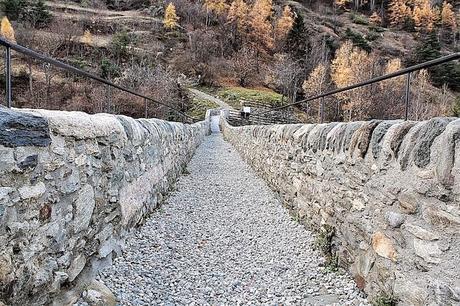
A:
[202,95]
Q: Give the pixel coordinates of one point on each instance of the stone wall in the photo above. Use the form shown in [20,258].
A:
[71,186]
[390,189]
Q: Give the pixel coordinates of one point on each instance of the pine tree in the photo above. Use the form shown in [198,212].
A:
[448,19]
[296,41]
[238,14]
[260,22]
[6,30]
[284,23]
[170,18]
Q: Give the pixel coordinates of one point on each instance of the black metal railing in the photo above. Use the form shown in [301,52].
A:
[406,71]
[9,46]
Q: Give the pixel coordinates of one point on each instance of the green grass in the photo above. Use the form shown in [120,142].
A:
[233,95]
[199,108]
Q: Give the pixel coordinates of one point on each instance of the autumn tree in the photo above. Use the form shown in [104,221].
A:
[170,18]
[6,30]
[375,19]
[392,90]
[448,19]
[284,24]
[287,76]
[87,37]
[341,3]
[244,66]
[424,16]
[238,18]
[316,83]
[400,14]
[352,65]
[261,33]
[448,22]
[218,7]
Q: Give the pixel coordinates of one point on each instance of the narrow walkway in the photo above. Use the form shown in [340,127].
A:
[223,238]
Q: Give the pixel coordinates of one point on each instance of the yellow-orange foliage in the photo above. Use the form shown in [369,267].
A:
[375,19]
[424,16]
[260,21]
[351,65]
[170,18]
[316,82]
[87,38]
[6,30]
[284,23]
[238,14]
[393,65]
[341,3]
[399,12]
[216,6]
[448,17]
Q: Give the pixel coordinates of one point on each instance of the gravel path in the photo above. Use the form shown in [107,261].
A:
[223,238]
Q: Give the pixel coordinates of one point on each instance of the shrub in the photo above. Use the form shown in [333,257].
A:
[109,69]
[358,40]
[120,42]
[359,19]
[384,300]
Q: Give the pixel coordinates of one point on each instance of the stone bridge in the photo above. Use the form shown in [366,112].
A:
[105,210]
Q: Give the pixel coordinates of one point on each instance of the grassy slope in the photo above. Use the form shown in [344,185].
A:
[233,94]
[199,107]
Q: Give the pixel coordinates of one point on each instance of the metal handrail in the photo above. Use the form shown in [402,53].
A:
[36,55]
[407,71]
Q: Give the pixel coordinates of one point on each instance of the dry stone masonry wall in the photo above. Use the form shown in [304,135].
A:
[71,186]
[390,189]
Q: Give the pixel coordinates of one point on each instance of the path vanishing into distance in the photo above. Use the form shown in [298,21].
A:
[224,238]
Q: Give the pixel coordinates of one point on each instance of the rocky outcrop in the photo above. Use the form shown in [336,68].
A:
[390,189]
[71,186]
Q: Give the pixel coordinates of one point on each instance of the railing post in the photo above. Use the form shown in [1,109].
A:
[321,111]
[8,76]
[407,97]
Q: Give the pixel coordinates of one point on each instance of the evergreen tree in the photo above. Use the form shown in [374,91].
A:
[296,41]
[36,14]
[13,8]
[448,73]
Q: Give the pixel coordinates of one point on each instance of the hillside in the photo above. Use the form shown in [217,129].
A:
[211,45]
